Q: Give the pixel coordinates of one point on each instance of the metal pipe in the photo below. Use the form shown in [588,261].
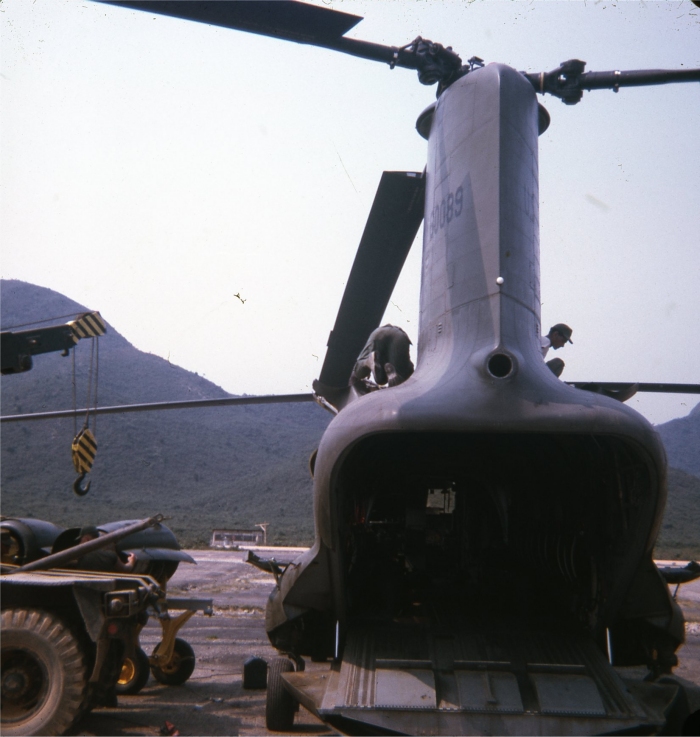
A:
[641,387]
[77,551]
[184,404]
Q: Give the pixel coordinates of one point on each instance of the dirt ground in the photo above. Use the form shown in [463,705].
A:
[213,701]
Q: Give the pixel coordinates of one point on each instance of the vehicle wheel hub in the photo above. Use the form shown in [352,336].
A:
[23,683]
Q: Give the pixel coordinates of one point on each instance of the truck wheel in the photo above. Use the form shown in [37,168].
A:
[280,705]
[134,673]
[180,667]
[43,674]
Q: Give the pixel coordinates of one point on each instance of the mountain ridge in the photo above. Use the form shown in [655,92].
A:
[239,464]
[681,438]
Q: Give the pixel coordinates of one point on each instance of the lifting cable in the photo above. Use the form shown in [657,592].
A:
[84,446]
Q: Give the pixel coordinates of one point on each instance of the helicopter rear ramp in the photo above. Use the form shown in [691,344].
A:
[420,678]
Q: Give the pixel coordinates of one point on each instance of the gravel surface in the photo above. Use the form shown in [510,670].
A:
[213,701]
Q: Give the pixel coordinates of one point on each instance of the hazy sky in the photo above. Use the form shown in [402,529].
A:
[206,189]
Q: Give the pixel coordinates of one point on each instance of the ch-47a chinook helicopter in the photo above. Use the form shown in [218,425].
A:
[457,586]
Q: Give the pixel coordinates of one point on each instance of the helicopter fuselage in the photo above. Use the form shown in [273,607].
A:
[482,496]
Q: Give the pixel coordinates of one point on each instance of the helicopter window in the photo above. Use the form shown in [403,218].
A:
[441,501]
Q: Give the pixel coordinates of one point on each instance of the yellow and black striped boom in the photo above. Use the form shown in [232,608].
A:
[17,348]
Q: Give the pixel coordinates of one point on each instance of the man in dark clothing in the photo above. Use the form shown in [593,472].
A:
[386,355]
[106,559]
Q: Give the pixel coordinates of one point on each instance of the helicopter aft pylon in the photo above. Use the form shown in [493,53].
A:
[426,602]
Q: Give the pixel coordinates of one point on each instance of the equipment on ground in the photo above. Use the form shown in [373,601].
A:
[103,613]
[17,351]
[70,638]
[18,348]
[65,634]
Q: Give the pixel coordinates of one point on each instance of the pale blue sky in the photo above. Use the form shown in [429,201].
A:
[153,169]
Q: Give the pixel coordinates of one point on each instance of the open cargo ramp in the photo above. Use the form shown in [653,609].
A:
[420,678]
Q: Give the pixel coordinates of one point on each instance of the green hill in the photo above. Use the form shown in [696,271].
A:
[679,536]
[205,468]
[680,533]
[682,440]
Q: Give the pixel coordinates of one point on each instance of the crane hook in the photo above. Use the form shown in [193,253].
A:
[77,485]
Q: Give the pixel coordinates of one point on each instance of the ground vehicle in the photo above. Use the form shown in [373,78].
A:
[53,671]
[65,635]
[70,639]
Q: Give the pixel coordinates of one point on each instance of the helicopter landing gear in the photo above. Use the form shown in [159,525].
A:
[280,706]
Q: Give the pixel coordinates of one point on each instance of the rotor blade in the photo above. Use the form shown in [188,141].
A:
[393,222]
[568,80]
[288,20]
[152,406]
[638,78]
[597,386]
[292,21]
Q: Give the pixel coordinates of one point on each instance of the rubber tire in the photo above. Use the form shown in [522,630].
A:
[280,705]
[136,670]
[38,641]
[181,667]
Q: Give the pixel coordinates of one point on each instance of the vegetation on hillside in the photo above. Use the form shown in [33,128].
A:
[679,536]
[682,440]
[205,468]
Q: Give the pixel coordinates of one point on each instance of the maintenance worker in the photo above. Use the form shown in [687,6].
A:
[557,337]
[386,355]
[106,559]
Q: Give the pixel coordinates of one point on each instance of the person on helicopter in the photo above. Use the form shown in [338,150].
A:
[557,337]
[386,356]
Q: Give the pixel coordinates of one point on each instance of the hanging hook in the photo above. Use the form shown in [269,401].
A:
[77,485]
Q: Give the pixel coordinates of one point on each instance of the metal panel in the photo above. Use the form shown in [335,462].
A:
[488,691]
[560,694]
[413,689]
